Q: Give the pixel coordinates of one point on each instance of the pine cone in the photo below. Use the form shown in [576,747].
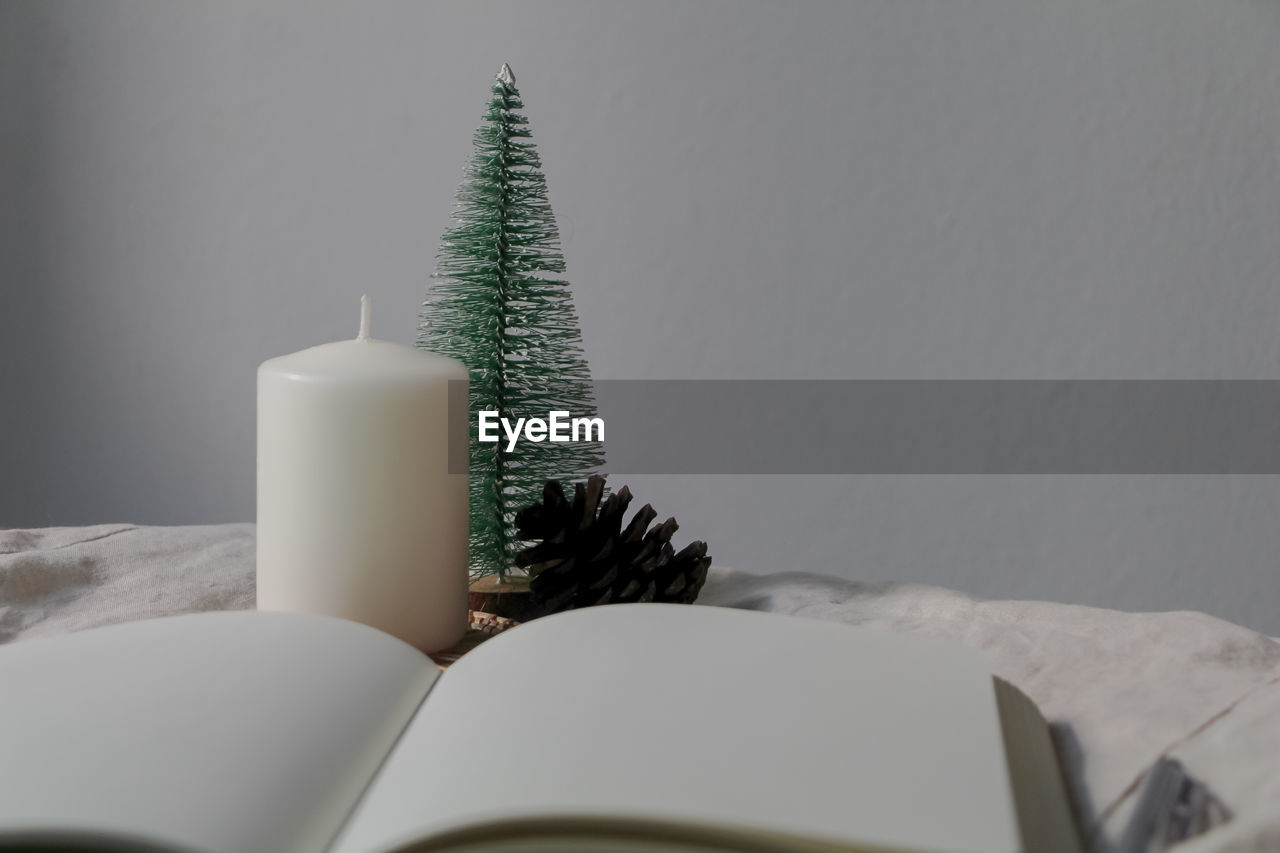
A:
[586,559]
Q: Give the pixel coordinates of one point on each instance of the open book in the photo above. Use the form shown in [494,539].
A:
[617,728]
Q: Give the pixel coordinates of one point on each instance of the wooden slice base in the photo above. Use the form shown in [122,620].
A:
[507,597]
[480,627]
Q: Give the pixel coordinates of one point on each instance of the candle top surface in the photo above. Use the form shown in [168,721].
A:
[364,359]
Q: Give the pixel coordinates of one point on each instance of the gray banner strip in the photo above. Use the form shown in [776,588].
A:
[939,426]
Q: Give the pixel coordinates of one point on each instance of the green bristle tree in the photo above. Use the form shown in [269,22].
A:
[499,306]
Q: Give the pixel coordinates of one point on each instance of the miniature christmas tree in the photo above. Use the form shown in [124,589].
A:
[499,307]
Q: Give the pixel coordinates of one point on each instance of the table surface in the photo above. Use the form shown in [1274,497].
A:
[1119,689]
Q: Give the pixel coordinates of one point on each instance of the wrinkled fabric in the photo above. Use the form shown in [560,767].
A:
[59,579]
[1119,689]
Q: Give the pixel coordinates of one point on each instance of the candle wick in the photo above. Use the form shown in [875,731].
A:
[364,318]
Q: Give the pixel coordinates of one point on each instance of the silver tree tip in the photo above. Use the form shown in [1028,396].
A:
[505,76]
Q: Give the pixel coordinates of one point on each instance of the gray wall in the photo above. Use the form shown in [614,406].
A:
[958,189]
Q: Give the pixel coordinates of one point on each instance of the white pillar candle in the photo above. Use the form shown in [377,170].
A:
[358,513]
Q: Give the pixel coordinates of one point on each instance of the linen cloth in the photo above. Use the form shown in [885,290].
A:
[1120,689]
